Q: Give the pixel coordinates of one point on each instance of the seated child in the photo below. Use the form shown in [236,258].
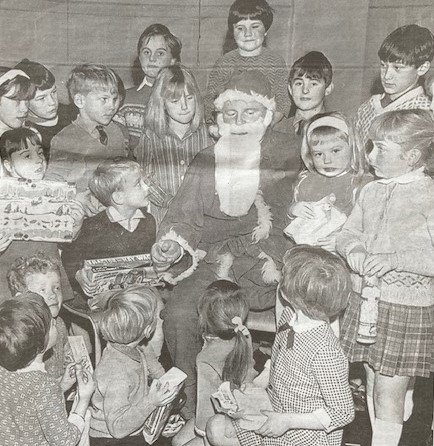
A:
[157,48]
[227,353]
[405,56]
[32,409]
[46,114]
[248,24]
[175,133]
[40,274]
[308,379]
[123,399]
[77,150]
[310,81]
[23,157]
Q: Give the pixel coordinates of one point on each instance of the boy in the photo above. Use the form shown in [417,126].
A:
[405,56]
[33,411]
[92,137]
[157,48]
[46,115]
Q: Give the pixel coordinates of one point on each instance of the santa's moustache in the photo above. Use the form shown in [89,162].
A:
[237,157]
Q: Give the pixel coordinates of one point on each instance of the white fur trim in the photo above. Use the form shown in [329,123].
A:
[196,255]
[270,273]
[265,218]
[225,262]
[232,95]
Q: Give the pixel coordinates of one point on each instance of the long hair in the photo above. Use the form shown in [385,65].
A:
[221,302]
[170,84]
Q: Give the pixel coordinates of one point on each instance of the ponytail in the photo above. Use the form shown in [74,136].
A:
[238,360]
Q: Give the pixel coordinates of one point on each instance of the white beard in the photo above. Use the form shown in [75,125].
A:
[237,159]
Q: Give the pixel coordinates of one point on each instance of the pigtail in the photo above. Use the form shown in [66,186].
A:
[238,361]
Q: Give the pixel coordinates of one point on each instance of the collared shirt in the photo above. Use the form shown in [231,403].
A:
[144,82]
[130,224]
[406,178]
[80,123]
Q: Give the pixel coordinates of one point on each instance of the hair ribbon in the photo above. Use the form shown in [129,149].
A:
[239,327]
[12,74]
[328,121]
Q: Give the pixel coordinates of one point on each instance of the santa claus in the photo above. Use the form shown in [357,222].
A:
[227,218]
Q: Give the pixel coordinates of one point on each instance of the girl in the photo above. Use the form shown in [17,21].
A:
[227,354]
[175,133]
[308,379]
[389,236]
[248,24]
[335,164]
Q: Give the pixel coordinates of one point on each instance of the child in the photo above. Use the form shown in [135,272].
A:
[405,56]
[33,409]
[40,274]
[78,149]
[123,399]
[15,92]
[308,383]
[23,157]
[157,48]
[46,115]
[335,164]
[227,354]
[175,132]
[310,81]
[388,236]
[248,23]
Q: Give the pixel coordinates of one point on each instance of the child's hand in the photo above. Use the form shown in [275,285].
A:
[68,378]
[276,425]
[77,214]
[91,205]
[379,264]
[85,383]
[303,209]
[164,254]
[160,395]
[82,277]
[356,259]
[5,241]
[328,243]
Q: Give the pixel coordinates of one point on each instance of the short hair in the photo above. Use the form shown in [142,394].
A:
[358,157]
[410,129]
[41,77]
[16,140]
[19,88]
[410,44]
[171,40]
[250,9]
[88,77]
[170,84]
[127,314]
[315,281]
[23,267]
[24,330]
[109,177]
[314,65]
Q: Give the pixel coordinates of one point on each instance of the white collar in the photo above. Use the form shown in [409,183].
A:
[300,326]
[49,123]
[406,178]
[144,82]
[130,224]
[33,367]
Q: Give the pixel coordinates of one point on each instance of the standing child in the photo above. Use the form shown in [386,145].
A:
[33,408]
[405,56]
[248,23]
[389,236]
[308,379]
[123,399]
[175,132]
[227,353]
[157,48]
[335,164]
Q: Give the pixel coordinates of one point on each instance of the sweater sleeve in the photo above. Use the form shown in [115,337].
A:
[51,412]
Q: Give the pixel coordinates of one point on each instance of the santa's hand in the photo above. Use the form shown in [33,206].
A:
[380,264]
[82,277]
[356,259]
[328,243]
[303,209]
[164,254]
[276,425]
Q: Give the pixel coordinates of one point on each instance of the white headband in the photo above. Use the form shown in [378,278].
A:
[12,74]
[328,121]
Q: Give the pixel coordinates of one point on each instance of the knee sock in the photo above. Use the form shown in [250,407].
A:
[371,410]
[408,404]
[385,433]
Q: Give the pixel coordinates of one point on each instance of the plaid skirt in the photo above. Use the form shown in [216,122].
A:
[404,344]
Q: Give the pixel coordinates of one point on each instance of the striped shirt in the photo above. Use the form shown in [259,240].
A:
[271,65]
[166,160]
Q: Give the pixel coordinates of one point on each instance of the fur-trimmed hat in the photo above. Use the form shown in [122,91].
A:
[247,85]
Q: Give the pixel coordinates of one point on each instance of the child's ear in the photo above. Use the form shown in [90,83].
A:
[118,197]
[148,331]
[423,69]
[7,166]
[79,100]
[329,89]
[413,157]
[268,117]
[290,88]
